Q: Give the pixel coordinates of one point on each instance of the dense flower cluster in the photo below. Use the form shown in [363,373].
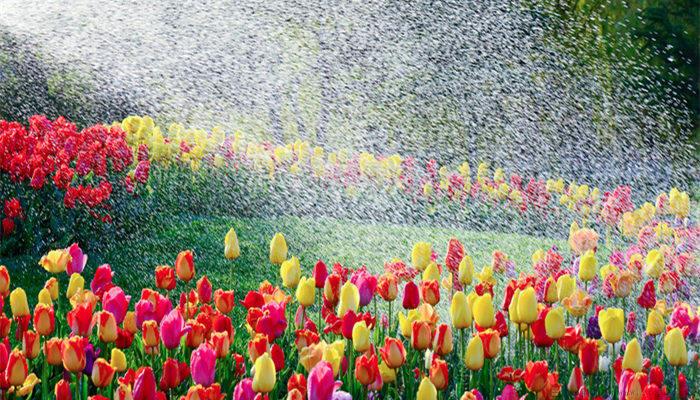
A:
[628,329]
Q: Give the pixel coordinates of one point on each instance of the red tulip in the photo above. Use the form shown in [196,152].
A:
[297,381]
[102,373]
[388,286]
[455,254]
[165,277]
[539,332]
[575,380]
[80,319]
[647,299]
[304,338]
[439,374]
[510,375]
[442,341]
[320,274]
[277,356]
[430,292]
[366,369]
[195,336]
[331,290]
[491,342]
[170,377]
[224,301]
[62,390]
[588,354]
[204,289]
[52,351]
[31,345]
[221,343]
[536,375]
[572,339]
[411,296]
[144,384]
[102,280]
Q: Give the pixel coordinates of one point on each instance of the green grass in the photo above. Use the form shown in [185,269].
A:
[350,243]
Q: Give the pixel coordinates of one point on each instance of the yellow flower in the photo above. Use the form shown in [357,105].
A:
[554,323]
[426,390]
[420,255]
[349,298]
[55,261]
[607,270]
[474,356]
[460,312]
[75,284]
[278,249]
[306,291]
[431,273]
[118,360]
[290,271]
[655,323]
[654,263]
[333,354]
[45,297]
[486,275]
[28,385]
[674,348]
[360,337]
[527,305]
[231,248]
[566,284]
[406,322]
[483,311]
[18,303]
[513,307]
[587,266]
[466,270]
[633,356]
[612,324]
[679,203]
[388,374]
[265,375]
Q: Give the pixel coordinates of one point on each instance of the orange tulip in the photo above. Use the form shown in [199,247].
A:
[106,326]
[439,374]
[44,320]
[73,354]
[184,265]
[430,292]
[195,336]
[221,343]
[149,331]
[52,351]
[31,344]
[16,371]
[366,369]
[257,346]
[491,341]
[4,281]
[165,277]
[102,373]
[442,342]
[388,286]
[536,374]
[421,335]
[393,353]
[224,301]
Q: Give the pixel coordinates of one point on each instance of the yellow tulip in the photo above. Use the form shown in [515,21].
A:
[554,323]
[426,390]
[633,356]
[75,284]
[52,286]
[349,298]
[607,270]
[655,323]
[306,291]
[431,273]
[388,374]
[483,311]
[486,275]
[55,261]
[527,305]
[406,323]
[278,249]
[466,270]
[360,337]
[612,324]
[654,263]
[18,303]
[674,348]
[45,297]
[118,360]
[333,354]
[231,248]
[420,255]
[587,266]
[679,203]
[474,356]
[265,375]
[460,312]
[513,307]
[537,256]
[290,271]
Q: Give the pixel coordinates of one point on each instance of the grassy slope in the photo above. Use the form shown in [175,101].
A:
[349,243]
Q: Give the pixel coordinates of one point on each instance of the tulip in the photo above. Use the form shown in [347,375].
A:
[349,299]
[290,271]
[333,354]
[170,375]
[513,307]
[5,325]
[439,374]
[203,365]
[144,384]
[321,384]
[388,374]
[224,300]
[257,346]
[52,351]
[554,323]
[411,296]
[184,265]
[421,335]
[442,340]
[566,285]
[62,390]
[306,291]
[44,320]
[16,371]
[331,289]
[587,266]
[118,360]
[588,355]
[51,286]
[102,280]
[165,277]
[116,302]
[474,356]
[575,380]
[130,322]
[150,336]
[460,312]
[612,324]
[421,255]
[18,303]
[550,291]
[4,281]
[388,286]
[654,263]
[80,319]
[75,284]
[633,356]
[527,305]
[102,373]
[360,337]
[204,289]
[366,369]
[78,260]
[647,299]
[172,329]
[55,261]
[265,375]
[675,348]
[221,343]
[278,249]
[491,341]
[536,374]
[430,292]
[106,326]
[320,273]
[73,354]
[231,247]
[123,392]
[578,303]
[31,344]
[466,271]
[483,311]
[655,323]
[426,390]
[431,272]
[393,353]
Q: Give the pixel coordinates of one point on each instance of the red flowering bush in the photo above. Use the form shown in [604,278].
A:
[49,162]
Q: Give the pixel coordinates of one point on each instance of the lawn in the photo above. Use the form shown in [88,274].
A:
[350,243]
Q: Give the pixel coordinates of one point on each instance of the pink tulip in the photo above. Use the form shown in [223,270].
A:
[116,302]
[145,311]
[321,385]
[273,321]
[144,385]
[203,365]
[366,283]
[102,281]
[78,260]
[172,328]
[508,393]
[244,390]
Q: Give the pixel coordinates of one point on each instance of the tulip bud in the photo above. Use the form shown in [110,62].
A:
[483,311]
[675,348]
[554,323]
[566,284]
[466,271]
[73,354]
[306,291]
[265,375]
[149,330]
[278,249]
[439,374]
[460,312]
[491,340]
[612,324]
[75,284]
[102,373]
[51,286]
[221,343]
[44,297]
[290,271]
[633,356]
[430,292]
[118,360]
[62,390]
[655,323]
[587,266]
[474,356]
[224,300]
[421,336]
[31,344]
[654,263]
[106,327]
[18,303]
[442,342]
[527,305]
[52,351]
[44,320]
[4,281]
[426,390]
[16,371]
[393,353]
[388,287]
[184,265]
[360,337]
[421,255]
[411,296]
[349,299]
[231,247]
[165,277]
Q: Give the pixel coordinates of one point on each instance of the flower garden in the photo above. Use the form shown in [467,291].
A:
[609,310]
